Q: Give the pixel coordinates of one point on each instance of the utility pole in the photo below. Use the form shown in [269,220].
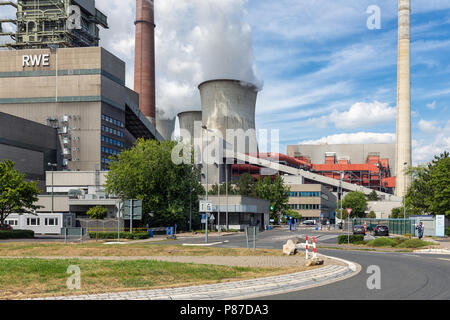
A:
[404,193]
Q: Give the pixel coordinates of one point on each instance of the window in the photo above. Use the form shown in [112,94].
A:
[33,222]
[51,221]
[12,222]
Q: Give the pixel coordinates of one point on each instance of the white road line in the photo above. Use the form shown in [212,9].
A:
[444,259]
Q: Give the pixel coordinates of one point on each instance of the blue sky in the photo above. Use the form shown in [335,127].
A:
[327,77]
[325,73]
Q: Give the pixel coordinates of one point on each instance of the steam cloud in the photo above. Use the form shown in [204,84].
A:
[199,40]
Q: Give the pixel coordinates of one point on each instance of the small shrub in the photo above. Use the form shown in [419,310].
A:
[408,235]
[354,238]
[123,235]
[383,242]
[16,234]
[414,243]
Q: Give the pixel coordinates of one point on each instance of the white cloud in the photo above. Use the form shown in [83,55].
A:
[360,115]
[432,105]
[428,127]
[425,149]
[354,138]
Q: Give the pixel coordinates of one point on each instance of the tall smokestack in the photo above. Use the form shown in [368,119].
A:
[403,147]
[144,57]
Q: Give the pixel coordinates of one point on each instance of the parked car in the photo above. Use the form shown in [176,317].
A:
[309,222]
[381,231]
[5,227]
[359,229]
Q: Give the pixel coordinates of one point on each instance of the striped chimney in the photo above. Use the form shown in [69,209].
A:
[144,58]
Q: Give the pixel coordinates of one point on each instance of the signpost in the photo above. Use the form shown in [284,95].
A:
[132,211]
[207,207]
[349,210]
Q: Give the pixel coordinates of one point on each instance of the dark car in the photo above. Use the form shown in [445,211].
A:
[381,231]
[359,229]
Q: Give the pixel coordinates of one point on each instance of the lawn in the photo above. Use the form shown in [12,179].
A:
[24,278]
[27,249]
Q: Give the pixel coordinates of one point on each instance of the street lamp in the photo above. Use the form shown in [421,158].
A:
[206,215]
[52,165]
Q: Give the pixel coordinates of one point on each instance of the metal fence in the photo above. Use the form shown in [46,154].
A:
[396,226]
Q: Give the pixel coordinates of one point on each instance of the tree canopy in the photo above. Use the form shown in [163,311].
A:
[147,172]
[357,202]
[429,192]
[97,213]
[16,194]
[373,196]
[276,192]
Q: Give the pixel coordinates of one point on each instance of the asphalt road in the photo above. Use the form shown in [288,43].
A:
[402,275]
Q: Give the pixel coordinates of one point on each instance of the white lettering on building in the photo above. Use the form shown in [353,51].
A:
[36,60]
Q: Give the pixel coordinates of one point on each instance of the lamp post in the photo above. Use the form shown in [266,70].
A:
[206,215]
[52,165]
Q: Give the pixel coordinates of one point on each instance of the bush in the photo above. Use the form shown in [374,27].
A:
[384,242]
[447,231]
[408,235]
[123,235]
[354,238]
[16,234]
[414,243]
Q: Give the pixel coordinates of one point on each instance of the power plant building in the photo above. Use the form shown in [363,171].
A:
[79,91]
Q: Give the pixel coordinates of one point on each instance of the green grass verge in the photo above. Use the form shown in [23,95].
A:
[398,243]
[20,278]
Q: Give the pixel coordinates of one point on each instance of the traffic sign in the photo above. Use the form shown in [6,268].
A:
[211,218]
[137,209]
[206,206]
[349,210]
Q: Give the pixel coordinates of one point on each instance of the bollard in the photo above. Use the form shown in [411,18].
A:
[306,253]
[314,248]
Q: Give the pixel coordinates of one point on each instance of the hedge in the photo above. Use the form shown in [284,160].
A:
[16,234]
[354,238]
[123,235]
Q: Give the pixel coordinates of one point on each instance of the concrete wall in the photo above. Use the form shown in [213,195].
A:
[382,209]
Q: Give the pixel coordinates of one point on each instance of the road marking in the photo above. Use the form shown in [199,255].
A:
[411,255]
[444,259]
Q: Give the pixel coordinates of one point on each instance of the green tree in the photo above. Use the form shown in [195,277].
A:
[147,172]
[276,192]
[342,215]
[371,215]
[223,189]
[246,185]
[357,202]
[16,194]
[429,192]
[373,196]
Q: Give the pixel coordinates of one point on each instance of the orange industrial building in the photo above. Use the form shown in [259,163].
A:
[375,173]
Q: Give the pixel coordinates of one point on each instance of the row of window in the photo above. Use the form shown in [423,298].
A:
[112,141]
[37,221]
[113,121]
[304,194]
[112,131]
[110,151]
[305,206]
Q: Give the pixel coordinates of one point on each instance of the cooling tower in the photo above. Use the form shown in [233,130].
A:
[165,127]
[230,104]
[403,147]
[187,121]
[144,58]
